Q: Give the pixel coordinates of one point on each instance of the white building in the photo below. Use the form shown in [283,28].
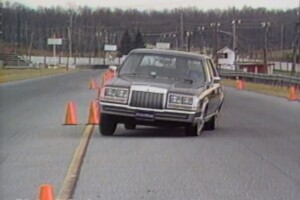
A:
[226,58]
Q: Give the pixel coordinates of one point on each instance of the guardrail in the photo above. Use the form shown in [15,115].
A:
[275,80]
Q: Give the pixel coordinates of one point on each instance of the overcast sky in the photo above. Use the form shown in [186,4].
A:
[162,4]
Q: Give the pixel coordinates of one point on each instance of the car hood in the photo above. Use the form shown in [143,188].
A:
[171,85]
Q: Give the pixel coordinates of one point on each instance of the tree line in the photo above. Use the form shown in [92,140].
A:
[91,28]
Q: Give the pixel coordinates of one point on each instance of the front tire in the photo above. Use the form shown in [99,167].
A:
[194,130]
[190,131]
[108,125]
[212,124]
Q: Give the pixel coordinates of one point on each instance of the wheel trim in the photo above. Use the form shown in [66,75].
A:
[216,122]
[200,126]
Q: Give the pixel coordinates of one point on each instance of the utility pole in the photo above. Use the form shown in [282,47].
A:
[26,36]
[1,23]
[216,27]
[294,58]
[235,41]
[70,28]
[18,42]
[266,26]
[30,45]
[233,35]
[282,37]
[176,41]
[181,32]
[297,41]
[188,40]
[217,36]
[105,42]
[201,42]
[298,34]
[54,50]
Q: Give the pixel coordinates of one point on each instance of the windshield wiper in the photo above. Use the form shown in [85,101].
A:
[131,74]
[135,74]
[185,80]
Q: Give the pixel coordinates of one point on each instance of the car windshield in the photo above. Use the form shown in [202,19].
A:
[166,66]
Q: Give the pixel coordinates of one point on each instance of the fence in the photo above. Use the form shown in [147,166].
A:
[275,80]
[286,66]
[279,66]
[48,60]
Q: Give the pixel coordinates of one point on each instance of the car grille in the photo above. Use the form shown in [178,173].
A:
[146,100]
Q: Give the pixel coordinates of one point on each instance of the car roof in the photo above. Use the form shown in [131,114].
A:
[171,53]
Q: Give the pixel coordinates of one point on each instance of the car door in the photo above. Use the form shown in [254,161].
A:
[215,92]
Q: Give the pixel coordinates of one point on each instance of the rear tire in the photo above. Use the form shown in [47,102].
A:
[108,125]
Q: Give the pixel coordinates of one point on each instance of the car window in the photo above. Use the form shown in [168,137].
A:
[158,61]
[161,65]
[213,69]
[195,68]
[133,62]
[209,71]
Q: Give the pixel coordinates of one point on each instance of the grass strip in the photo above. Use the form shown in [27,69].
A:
[7,75]
[261,88]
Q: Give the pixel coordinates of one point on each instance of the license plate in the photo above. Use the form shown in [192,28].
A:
[143,115]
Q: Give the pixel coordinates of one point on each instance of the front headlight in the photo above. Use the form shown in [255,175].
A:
[175,99]
[187,100]
[114,94]
[183,102]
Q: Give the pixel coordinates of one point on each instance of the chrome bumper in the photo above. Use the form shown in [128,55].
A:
[156,115]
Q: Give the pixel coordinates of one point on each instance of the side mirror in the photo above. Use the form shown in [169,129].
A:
[113,68]
[216,79]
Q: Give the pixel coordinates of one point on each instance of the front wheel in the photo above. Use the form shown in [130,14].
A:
[108,125]
[194,130]
[212,124]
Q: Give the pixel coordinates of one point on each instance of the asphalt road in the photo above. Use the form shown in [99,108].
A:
[35,148]
[255,154]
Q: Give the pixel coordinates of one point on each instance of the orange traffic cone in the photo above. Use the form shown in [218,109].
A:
[240,84]
[93,84]
[71,118]
[99,93]
[243,84]
[109,75]
[293,94]
[237,83]
[94,114]
[105,76]
[46,192]
[102,81]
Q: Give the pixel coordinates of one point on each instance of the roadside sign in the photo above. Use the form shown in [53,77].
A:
[109,47]
[162,45]
[54,41]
